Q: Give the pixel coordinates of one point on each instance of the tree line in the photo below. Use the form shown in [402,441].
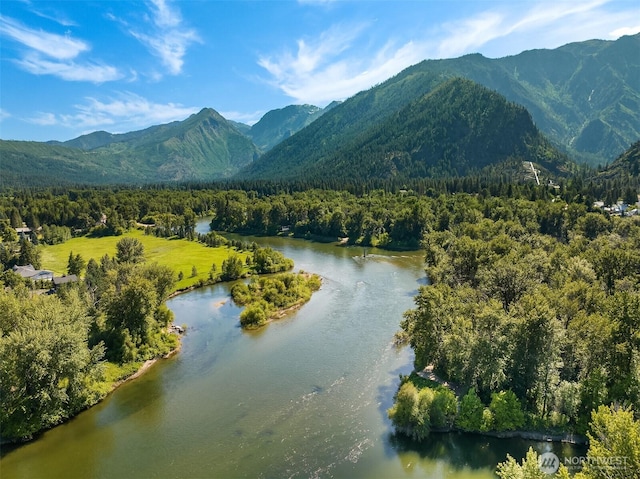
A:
[536,304]
[62,213]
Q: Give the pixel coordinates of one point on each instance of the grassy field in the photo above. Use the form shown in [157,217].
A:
[178,254]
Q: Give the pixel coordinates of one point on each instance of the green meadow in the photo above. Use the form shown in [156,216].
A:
[181,255]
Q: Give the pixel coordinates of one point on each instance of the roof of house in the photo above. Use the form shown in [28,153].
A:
[28,271]
[58,280]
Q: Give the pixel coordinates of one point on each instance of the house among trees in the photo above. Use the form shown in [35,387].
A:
[28,271]
[60,280]
[24,232]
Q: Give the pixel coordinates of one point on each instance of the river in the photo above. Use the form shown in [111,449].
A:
[305,396]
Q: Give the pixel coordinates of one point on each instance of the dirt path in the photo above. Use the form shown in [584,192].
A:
[427,373]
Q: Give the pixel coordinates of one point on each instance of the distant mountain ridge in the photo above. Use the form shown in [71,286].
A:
[280,124]
[459,128]
[585,97]
[205,146]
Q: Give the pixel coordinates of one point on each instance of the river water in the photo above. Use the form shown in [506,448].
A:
[305,396]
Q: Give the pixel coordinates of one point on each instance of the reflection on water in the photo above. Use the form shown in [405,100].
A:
[305,396]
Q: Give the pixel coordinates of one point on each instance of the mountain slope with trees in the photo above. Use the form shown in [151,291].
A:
[459,128]
[280,124]
[626,166]
[584,96]
[203,147]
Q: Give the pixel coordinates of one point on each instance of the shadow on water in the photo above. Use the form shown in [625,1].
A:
[423,281]
[459,450]
[475,451]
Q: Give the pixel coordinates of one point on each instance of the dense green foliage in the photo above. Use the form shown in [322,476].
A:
[421,405]
[267,260]
[53,346]
[419,408]
[392,214]
[269,297]
[614,445]
[536,300]
[529,469]
[535,292]
[48,369]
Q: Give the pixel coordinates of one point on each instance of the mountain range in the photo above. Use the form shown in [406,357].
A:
[582,99]
[458,129]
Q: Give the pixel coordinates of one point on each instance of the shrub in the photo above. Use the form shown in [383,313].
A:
[405,408]
[471,412]
[507,411]
[443,408]
[254,315]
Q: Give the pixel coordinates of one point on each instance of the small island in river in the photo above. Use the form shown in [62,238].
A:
[269,298]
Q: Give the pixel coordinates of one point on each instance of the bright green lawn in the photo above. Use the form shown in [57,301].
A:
[178,254]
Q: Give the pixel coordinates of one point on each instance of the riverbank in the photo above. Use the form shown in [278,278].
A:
[121,374]
[428,379]
[540,436]
[144,368]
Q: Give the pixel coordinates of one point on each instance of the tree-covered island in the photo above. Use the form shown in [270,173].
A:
[270,298]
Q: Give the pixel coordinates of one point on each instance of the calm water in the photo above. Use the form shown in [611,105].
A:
[303,397]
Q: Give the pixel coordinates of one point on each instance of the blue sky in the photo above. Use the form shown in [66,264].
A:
[72,67]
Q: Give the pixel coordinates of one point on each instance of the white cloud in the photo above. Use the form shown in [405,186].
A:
[127,110]
[165,16]
[248,118]
[510,30]
[55,16]
[53,54]
[4,114]
[69,71]
[44,119]
[60,47]
[619,32]
[333,67]
[469,33]
[168,39]
[328,68]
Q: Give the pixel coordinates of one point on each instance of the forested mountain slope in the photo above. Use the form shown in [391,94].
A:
[584,96]
[203,147]
[280,124]
[31,163]
[626,166]
[459,128]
